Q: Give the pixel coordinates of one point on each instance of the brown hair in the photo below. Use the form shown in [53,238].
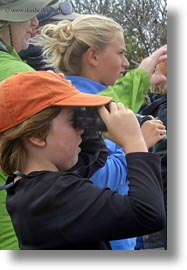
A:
[161,88]
[12,150]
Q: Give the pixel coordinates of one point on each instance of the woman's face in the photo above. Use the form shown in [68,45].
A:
[112,62]
[22,32]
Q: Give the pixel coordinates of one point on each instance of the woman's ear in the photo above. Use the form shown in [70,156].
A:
[92,56]
[38,142]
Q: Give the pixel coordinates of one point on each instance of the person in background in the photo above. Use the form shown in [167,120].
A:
[157,106]
[16,28]
[52,13]
[90,51]
[51,207]
[137,80]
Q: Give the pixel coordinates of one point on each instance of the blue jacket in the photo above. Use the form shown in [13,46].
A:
[114,173]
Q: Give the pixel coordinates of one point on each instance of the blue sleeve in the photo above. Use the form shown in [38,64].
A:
[114,173]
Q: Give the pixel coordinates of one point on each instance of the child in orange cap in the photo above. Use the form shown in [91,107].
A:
[51,206]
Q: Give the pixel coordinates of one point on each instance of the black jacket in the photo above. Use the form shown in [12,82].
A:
[55,210]
[158,108]
[33,57]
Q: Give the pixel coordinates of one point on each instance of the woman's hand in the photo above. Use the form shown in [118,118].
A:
[149,64]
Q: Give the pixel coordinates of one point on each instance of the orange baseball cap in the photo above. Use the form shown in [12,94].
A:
[25,94]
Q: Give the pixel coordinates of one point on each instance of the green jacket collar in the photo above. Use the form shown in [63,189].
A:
[9,49]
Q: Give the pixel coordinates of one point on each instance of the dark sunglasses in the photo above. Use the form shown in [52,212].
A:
[48,12]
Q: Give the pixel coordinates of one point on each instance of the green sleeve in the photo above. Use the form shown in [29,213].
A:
[8,239]
[130,89]
[10,65]
[3,178]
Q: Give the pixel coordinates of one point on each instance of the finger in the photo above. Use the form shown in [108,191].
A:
[103,111]
[120,106]
[62,75]
[49,70]
[163,58]
[158,78]
[113,106]
[156,121]
[161,126]
[162,132]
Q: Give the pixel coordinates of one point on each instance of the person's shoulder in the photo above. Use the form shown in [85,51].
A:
[56,178]
[11,65]
[31,51]
[34,58]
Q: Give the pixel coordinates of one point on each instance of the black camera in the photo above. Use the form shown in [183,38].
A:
[88,118]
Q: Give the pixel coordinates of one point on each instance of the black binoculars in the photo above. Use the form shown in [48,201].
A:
[88,118]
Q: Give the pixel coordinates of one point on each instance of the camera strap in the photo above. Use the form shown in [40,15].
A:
[3,48]
[10,180]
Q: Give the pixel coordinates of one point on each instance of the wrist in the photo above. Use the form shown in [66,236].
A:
[137,145]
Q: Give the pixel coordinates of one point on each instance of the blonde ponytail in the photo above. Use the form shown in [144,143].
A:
[65,43]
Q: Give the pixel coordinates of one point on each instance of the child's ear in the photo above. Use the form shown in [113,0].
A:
[37,141]
[92,56]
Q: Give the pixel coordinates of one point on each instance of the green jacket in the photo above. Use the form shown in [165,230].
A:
[10,63]
[130,89]
[8,239]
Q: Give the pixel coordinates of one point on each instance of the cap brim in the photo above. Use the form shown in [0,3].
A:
[61,17]
[84,100]
[21,11]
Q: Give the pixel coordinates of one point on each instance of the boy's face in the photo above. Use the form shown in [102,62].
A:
[63,140]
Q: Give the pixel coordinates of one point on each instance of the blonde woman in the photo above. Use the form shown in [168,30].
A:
[93,47]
